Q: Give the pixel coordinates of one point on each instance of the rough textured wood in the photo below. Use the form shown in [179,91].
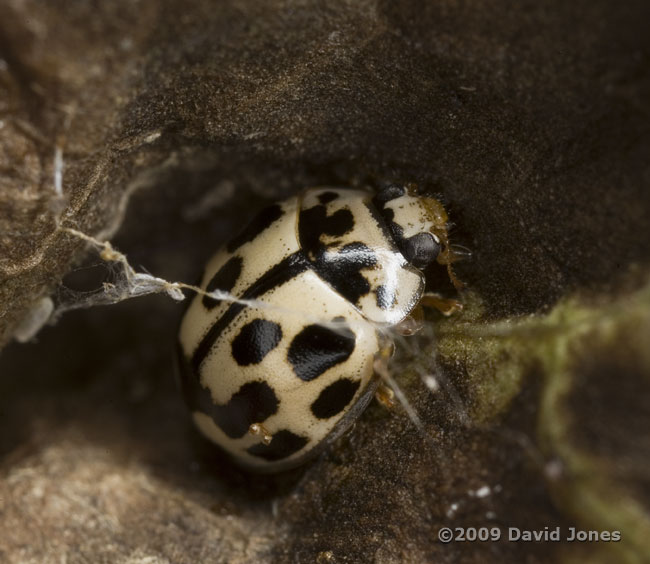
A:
[529,120]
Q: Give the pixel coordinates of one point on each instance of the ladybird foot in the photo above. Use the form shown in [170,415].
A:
[385,396]
[259,429]
[384,393]
[444,305]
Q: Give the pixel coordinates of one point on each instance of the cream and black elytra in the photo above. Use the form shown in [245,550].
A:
[273,383]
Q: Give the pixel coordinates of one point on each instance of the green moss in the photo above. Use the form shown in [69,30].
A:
[594,361]
[494,356]
[597,483]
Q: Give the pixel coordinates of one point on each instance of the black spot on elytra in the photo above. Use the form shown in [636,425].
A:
[224,280]
[385,299]
[285,270]
[340,267]
[254,402]
[389,192]
[333,399]
[314,223]
[327,197]
[259,223]
[284,444]
[255,340]
[316,349]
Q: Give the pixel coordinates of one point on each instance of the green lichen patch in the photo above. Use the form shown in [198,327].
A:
[592,363]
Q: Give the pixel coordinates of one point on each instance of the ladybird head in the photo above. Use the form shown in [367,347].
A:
[418,225]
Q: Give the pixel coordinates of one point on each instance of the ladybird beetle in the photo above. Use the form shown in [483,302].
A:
[276,375]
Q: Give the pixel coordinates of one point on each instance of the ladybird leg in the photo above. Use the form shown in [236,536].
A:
[388,392]
[384,393]
[446,306]
[449,255]
[259,429]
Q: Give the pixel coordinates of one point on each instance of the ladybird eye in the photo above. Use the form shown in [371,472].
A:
[421,249]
